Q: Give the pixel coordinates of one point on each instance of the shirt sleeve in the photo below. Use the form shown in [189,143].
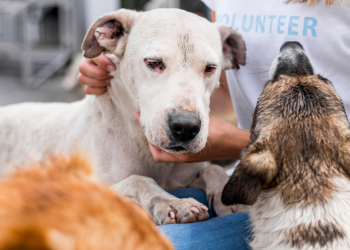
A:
[210,3]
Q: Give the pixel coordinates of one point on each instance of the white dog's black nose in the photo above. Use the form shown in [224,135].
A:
[184,128]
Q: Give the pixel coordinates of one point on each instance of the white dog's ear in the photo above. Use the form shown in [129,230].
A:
[109,33]
[233,47]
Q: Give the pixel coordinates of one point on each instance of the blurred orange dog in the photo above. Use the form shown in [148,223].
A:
[59,206]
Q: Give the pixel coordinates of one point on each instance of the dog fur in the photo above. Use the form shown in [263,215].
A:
[189,48]
[59,205]
[295,170]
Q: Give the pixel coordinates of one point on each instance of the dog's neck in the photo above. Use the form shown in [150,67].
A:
[118,105]
[123,98]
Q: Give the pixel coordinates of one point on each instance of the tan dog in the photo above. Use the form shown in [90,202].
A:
[59,206]
[295,171]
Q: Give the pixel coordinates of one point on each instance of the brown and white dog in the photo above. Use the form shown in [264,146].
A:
[295,170]
[59,205]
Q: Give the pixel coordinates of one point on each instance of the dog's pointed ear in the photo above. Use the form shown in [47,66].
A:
[109,33]
[344,155]
[233,47]
[256,169]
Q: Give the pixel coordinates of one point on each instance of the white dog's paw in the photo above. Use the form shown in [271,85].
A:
[220,208]
[178,211]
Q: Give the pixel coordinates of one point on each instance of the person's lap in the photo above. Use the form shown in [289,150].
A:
[225,232]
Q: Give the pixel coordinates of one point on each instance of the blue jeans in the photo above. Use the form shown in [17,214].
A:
[225,232]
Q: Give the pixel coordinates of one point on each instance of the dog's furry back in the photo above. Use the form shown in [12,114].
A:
[59,205]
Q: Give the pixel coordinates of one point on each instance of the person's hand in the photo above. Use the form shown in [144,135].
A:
[225,141]
[94,74]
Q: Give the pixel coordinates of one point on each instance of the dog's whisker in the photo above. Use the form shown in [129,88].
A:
[332,74]
[327,68]
[259,66]
[260,72]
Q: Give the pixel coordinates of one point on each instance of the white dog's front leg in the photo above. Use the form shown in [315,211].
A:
[163,207]
[212,180]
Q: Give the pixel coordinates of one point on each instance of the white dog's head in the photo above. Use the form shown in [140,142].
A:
[173,60]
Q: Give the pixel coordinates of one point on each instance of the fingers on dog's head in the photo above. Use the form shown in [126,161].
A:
[104,63]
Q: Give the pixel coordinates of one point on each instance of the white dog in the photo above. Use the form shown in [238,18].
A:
[168,64]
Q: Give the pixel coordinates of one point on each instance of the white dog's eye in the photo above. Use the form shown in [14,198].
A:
[209,69]
[155,64]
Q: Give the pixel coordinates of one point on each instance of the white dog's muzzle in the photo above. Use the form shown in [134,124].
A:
[182,127]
